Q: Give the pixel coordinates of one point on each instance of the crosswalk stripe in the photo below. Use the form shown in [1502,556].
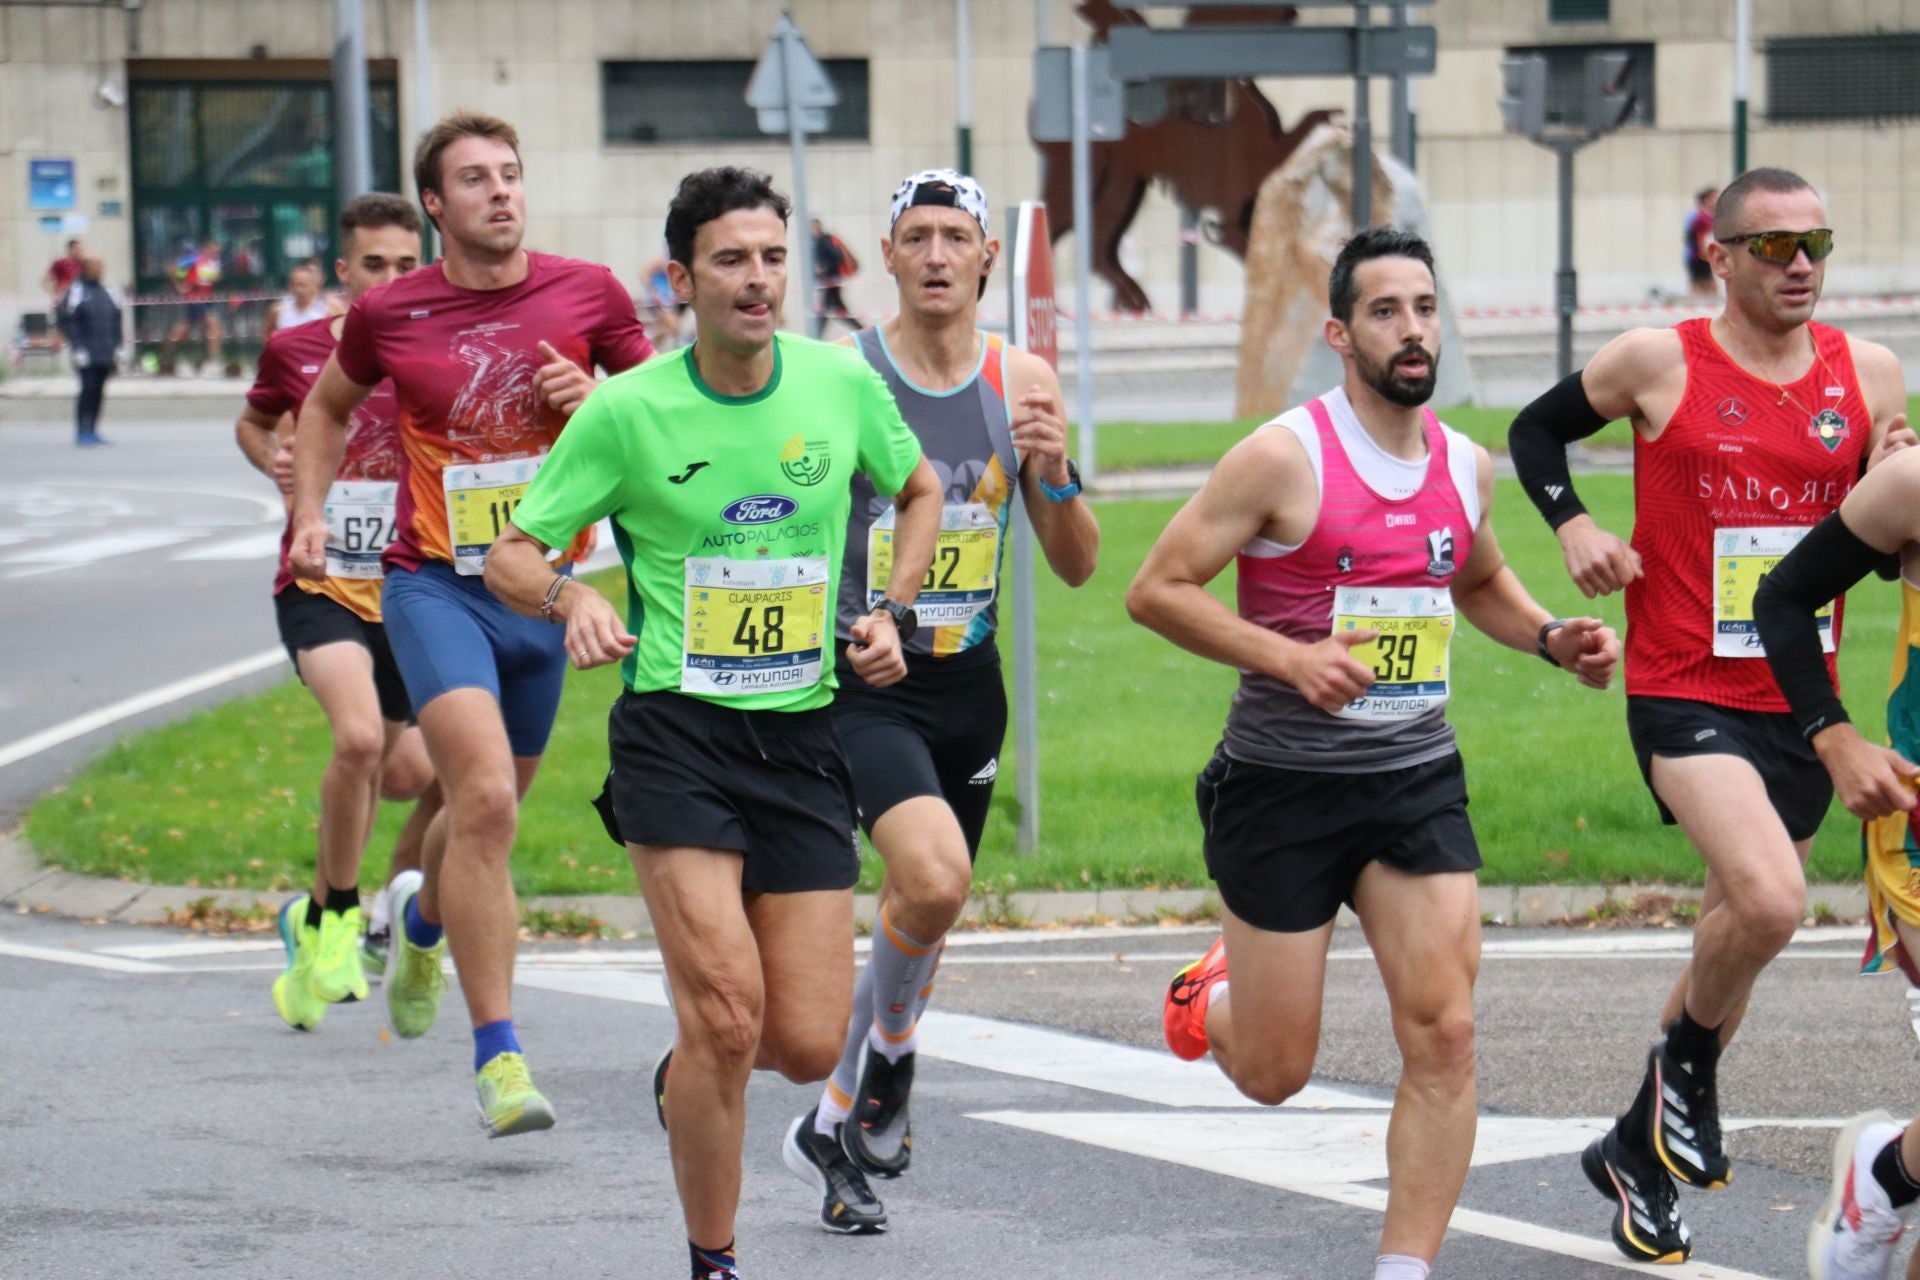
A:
[101,547]
[252,546]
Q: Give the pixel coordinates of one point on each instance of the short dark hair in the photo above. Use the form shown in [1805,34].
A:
[1732,204]
[73,244]
[713,193]
[377,209]
[446,132]
[1374,242]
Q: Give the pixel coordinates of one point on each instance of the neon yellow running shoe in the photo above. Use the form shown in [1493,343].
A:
[415,982]
[292,990]
[337,973]
[509,1103]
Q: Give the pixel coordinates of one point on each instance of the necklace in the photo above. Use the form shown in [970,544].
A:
[1787,397]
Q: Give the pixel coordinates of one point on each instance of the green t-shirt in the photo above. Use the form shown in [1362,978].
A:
[730,514]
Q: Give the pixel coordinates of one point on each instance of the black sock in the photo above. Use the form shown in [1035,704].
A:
[341,901]
[1633,1126]
[1890,1171]
[708,1261]
[1692,1042]
[313,912]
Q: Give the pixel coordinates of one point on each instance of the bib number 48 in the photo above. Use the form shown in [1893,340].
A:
[768,635]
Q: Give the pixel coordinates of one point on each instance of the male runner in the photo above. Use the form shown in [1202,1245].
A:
[332,627]
[489,351]
[924,752]
[1749,428]
[1360,524]
[726,469]
[1876,1167]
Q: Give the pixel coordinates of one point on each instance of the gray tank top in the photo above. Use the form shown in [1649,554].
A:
[968,440]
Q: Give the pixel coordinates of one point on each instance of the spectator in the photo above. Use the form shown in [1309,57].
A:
[60,277]
[1700,283]
[303,301]
[194,276]
[833,265]
[89,317]
[662,312]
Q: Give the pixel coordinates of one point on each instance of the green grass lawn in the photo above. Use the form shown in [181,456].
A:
[229,795]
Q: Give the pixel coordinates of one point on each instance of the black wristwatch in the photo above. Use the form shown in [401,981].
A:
[905,620]
[1547,628]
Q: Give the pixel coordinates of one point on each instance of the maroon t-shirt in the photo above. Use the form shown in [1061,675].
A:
[289,366]
[64,272]
[462,363]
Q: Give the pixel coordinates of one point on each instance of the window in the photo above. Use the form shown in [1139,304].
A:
[1577,10]
[1873,77]
[1567,80]
[703,101]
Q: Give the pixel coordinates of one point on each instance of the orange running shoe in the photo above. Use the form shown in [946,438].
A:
[1185,1013]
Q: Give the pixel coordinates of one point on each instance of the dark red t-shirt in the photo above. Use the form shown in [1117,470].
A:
[289,366]
[462,363]
[64,272]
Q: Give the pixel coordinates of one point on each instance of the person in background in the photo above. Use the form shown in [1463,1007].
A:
[1700,283]
[194,277]
[833,265]
[89,319]
[305,299]
[60,277]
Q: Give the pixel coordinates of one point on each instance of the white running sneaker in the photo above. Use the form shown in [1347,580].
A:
[1853,1236]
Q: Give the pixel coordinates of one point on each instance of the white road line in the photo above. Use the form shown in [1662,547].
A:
[33,744]
[252,546]
[68,552]
[82,959]
[205,947]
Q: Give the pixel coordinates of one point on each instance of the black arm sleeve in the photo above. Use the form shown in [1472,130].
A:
[1537,442]
[1828,560]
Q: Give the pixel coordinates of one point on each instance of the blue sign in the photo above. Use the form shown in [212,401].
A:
[50,184]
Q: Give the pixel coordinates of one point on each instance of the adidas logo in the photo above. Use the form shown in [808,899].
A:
[1555,490]
[986,775]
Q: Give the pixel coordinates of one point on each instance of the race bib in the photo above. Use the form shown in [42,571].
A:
[1409,659]
[966,564]
[754,626]
[481,497]
[360,516]
[1740,557]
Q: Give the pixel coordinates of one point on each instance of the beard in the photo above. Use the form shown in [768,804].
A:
[1395,387]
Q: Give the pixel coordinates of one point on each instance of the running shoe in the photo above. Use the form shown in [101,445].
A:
[509,1103]
[416,985]
[1686,1119]
[1853,1236]
[879,1134]
[660,1088]
[293,989]
[1185,1012]
[374,946]
[848,1206]
[337,975]
[1647,1227]
[377,945]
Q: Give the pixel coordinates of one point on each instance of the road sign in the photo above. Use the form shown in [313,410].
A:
[813,90]
[1053,95]
[1191,53]
[1033,307]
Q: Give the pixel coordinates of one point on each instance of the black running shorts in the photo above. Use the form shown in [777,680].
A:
[1287,846]
[1770,741]
[771,785]
[308,620]
[936,733]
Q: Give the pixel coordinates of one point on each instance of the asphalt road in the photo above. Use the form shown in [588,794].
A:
[158,1120]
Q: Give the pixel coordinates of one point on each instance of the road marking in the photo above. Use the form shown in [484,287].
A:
[69,552]
[205,947]
[113,713]
[13,537]
[252,546]
[81,959]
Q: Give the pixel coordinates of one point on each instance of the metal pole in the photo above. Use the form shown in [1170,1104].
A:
[352,141]
[963,73]
[1566,283]
[1401,125]
[423,117]
[1189,261]
[797,135]
[1742,60]
[1083,234]
[1362,208]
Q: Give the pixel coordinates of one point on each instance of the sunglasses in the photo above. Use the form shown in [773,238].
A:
[1782,247]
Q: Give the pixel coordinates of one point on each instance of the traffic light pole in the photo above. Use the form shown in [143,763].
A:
[1566,282]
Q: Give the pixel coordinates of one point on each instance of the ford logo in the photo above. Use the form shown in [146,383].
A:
[763,509]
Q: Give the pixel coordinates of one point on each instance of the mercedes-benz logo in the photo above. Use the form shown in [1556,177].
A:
[1732,412]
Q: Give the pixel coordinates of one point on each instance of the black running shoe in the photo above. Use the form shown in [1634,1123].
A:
[879,1133]
[1647,1226]
[660,1087]
[1686,1119]
[848,1206]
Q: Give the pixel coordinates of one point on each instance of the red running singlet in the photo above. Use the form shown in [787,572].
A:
[1743,469]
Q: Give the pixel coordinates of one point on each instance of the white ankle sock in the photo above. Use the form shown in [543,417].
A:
[1398,1266]
[829,1115]
[1216,993]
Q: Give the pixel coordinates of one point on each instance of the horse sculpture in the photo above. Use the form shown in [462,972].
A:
[1216,142]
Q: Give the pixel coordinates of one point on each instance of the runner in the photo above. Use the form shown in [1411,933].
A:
[726,470]
[925,751]
[1360,524]
[1876,1167]
[332,627]
[1749,428]
[489,351]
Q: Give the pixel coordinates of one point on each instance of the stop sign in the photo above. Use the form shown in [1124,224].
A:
[1034,317]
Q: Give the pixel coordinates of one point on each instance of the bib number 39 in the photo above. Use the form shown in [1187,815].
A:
[1409,658]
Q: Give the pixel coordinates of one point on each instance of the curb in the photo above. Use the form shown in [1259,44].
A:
[25,885]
